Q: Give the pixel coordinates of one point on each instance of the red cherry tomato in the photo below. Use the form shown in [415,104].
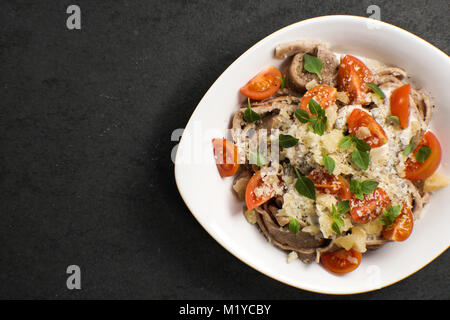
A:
[341,261]
[368,209]
[263,85]
[401,228]
[353,75]
[330,184]
[226,155]
[253,200]
[400,104]
[359,118]
[416,170]
[322,94]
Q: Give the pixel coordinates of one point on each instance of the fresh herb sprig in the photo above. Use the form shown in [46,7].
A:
[329,163]
[423,153]
[409,148]
[305,186]
[389,216]
[359,189]
[256,158]
[338,222]
[394,119]
[376,90]
[250,115]
[294,226]
[317,121]
[313,64]
[287,141]
[360,154]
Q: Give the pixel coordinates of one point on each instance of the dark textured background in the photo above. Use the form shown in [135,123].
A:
[86,119]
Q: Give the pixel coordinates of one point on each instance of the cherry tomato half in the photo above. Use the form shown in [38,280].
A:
[368,209]
[400,104]
[226,155]
[353,75]
[416,170]
[341,261]
[253,200]
[330,184]
[359,118]
[401,228]
[322,94]
[263,85]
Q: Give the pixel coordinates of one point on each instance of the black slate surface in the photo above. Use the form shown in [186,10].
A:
[86,121]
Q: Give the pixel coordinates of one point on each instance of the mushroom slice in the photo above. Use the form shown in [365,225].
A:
[303,243]
[288,49]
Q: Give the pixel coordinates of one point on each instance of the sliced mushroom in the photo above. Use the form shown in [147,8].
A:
[303,243]
[423,103]
[417,199]
[298,78]
[373,244]
[396,73]
[288,49]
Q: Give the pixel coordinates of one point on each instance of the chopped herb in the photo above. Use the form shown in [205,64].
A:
[313,64]
[283,83]
[256,158]
[287,141]
[302,115]
[361,158]
[250,115]
[390,215]
[329,163]
[394,119]
[343,206]
[376,89]
[359,189]
[345,142]
[318,120]
[294,226]
[338,222]
[423,153]
[409,148]
[305,186]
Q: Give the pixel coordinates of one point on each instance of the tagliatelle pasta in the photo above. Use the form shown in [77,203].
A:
[337,154]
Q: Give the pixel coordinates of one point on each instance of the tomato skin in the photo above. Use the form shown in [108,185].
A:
[341,261]
[226,155]
[322,94]
[399,102]
[330,184]
[251,200]
[418,171]
[263,85]
[401,228]
[352,76]
[367,210]
[359,118]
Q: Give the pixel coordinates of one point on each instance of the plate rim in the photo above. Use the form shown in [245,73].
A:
[255,267]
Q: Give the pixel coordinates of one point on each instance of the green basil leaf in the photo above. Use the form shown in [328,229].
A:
[394,119]
[250,115]
[356,189]
[287,141]
[361,158]
[283,83]
[305,187]
[294,226]
[302,115]
[318,127]
[423,153]
[256,158]
[345,142]
[343,206]
[376,89]
[359,144]
[409,148]
[336,228]
[312,64]
[390,215]
[314,107]
[368,186]
[329,164]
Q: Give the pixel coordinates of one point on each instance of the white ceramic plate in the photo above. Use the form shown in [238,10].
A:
[212,202]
